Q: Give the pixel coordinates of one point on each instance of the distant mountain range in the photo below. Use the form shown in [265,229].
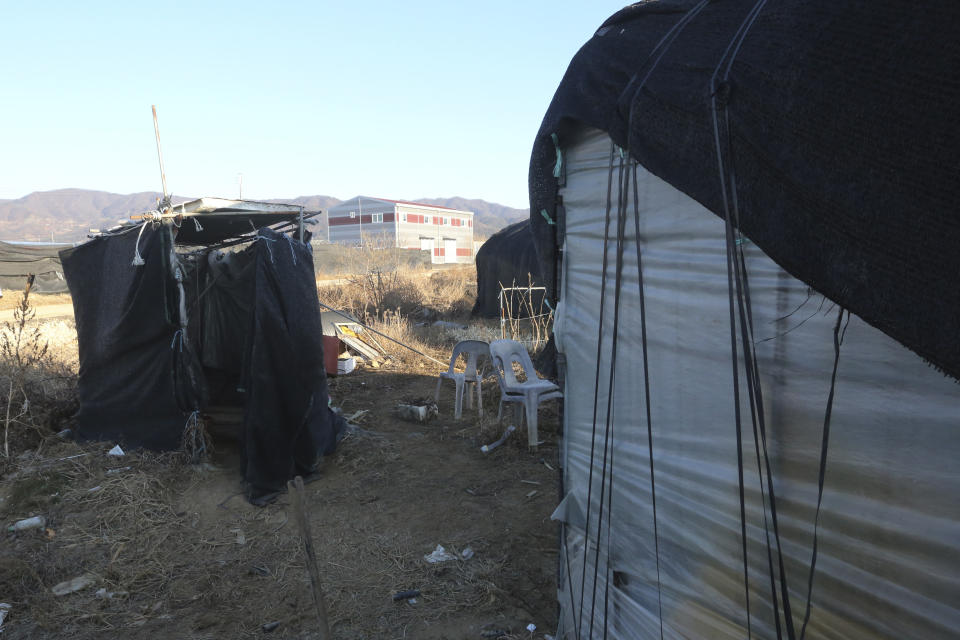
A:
[67,215]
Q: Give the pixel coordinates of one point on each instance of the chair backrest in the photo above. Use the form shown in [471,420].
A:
[504,353]
[474,350]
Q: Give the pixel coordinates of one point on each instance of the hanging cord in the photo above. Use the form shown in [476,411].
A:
[719,97]
[646,390]
[195,440]
[633,89]
[607,433]
[838,336]
[625,164]
[657,53]
[596,386]
[293,253]
[758,420]
[137,258]
[268,241]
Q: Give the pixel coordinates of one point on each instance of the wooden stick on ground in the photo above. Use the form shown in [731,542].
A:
[300,513]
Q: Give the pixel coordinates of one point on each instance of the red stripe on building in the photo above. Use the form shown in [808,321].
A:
[463,252]
[367,219]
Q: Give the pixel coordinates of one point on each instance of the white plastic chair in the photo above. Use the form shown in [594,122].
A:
[475,350]
[531,392]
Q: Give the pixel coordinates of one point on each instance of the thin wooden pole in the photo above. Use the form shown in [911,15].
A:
[300,512]
[156,131]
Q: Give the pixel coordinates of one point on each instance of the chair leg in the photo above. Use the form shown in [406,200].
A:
[531,404]
[436,396]
[458,407]
[469,393]
[479,397]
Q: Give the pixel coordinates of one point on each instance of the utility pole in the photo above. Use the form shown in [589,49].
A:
[240,180]
[360,204]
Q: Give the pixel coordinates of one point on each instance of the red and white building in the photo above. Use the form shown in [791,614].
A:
[446,233]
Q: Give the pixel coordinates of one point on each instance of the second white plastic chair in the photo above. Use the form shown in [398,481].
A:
[530,392]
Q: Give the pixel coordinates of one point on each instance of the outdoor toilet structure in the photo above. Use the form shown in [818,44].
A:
[205,307]
[745,213]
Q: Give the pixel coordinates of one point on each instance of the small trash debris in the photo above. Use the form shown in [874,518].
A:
[103,594]
[406,595]
[259,571]
[270,626]
[531,627]
[4,611]
[36,522]
[76,584]
[530,482]
[412,601]
[117,470]
[93,489]
[449,325]
[51,534]
[487,448]
[439,555]
[346,365]
[532,493]
[467,553]
[241,539]
[116,451]
[65,433]
[546,464]
[357,415]
[417,413]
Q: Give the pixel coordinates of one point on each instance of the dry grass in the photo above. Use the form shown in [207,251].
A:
[124,522]
[11,298]
[418,293]
[38,376]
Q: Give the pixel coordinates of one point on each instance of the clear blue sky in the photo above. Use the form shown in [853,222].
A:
[396,99]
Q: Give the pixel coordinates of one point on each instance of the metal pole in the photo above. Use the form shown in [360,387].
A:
[156,130]
[360,204]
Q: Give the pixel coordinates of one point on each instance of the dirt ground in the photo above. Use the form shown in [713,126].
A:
[175,551]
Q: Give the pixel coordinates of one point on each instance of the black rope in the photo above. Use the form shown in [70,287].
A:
[622,178]
[837,341]
[657,53]
[596,387]
[759,433]
[646,390]
[633,89]
[719,96]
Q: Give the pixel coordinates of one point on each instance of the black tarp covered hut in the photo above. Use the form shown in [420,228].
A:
[169,325]
[507,258]
[746,213]
[19,260]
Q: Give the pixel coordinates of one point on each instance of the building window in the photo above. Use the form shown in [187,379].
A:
[403,217]
[446,221]
[376,217]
